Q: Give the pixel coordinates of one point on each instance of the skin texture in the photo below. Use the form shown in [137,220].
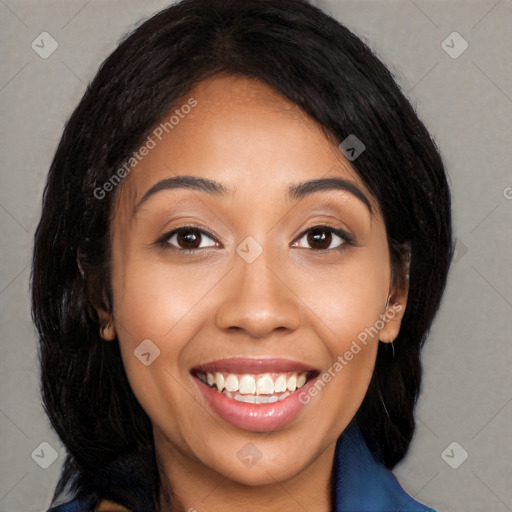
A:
[294,301]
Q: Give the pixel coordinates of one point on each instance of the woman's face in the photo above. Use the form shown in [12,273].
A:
[271,283]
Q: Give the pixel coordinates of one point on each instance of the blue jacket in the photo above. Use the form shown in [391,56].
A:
[361,483]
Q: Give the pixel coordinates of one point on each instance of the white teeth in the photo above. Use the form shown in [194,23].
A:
[247,385]
[280,384]
[265,385]
[301,380]
[232,383]
[292,384]
[219,381]
[255,388]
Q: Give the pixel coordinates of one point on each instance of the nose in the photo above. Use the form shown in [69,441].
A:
[258,300]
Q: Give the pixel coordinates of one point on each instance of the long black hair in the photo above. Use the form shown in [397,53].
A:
[326,70]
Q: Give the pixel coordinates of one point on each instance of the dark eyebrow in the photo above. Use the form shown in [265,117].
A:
[308,187]
[191,182]
[215,188]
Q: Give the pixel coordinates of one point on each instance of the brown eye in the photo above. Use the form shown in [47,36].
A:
[321,238]
[188,238]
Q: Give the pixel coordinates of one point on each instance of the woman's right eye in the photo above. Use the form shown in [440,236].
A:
[186,238]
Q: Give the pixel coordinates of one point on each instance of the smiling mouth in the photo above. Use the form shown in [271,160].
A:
[261,388]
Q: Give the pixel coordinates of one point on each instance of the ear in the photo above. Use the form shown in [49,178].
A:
[107,331]
[393,313]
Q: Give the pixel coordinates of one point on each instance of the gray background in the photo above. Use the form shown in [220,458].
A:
[467,104]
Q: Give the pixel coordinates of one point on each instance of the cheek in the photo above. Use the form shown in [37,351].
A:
[152,297]
[348,298]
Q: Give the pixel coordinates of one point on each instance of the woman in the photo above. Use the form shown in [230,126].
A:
[245,237]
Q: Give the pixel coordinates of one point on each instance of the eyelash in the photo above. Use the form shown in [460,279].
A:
[163,242]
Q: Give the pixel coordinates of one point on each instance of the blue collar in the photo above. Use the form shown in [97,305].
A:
[361,484]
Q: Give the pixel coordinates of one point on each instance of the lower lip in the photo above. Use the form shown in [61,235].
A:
[255,417]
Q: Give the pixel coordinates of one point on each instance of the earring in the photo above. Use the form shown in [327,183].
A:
[392,343]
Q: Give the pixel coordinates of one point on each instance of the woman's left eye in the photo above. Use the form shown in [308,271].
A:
[321,238]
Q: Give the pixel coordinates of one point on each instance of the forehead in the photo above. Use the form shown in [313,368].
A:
[242,91]
[242,133]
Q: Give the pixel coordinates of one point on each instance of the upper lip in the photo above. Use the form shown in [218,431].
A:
[253,365]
